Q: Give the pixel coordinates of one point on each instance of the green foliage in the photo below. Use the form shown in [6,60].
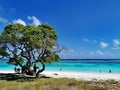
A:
[3,51]
[16,60]
[28,44]
[10,33]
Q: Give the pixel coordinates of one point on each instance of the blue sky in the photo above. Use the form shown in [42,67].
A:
[88,28]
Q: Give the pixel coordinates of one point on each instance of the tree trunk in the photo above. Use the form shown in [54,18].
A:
[27,71]
[23,70]
[41,70]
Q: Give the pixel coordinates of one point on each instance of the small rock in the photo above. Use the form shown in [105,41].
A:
[55,74]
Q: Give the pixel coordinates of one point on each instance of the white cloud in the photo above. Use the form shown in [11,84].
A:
[71,51]
[116,48]
[35,20]
[90,41]
[3,20]
[116,42]
[103,44]
[19,21]
[86,40]
[100,52]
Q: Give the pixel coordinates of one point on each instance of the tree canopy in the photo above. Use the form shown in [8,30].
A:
[27,45]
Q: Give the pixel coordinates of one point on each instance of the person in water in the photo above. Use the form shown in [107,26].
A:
[35,68]
[110,71]
[60,69]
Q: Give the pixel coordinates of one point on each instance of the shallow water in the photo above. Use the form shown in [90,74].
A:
[77,65]
[88,66]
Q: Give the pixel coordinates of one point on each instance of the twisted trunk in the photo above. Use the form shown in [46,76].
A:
[41,70]
[27,70]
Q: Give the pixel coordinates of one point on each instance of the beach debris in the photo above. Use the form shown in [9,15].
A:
[55,74]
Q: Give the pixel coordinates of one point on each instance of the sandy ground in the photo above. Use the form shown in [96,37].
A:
[82,75]
[77,75]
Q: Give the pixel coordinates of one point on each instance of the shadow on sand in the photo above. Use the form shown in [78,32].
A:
[19,77]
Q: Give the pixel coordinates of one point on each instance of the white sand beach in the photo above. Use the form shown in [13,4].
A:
[7,71]
[82,75]
[77,75]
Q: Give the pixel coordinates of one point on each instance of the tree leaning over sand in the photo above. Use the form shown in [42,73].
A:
[27,45]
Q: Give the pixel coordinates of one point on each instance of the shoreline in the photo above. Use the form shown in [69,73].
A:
[77,75]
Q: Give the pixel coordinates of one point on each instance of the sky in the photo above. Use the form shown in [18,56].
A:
[89,29]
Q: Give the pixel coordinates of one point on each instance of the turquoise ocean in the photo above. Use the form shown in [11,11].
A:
[77,65]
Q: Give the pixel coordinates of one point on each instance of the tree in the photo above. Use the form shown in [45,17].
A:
[28,45]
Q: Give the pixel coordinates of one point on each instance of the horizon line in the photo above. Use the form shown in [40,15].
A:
[90,59]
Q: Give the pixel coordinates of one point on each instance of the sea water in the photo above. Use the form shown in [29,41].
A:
[77,66]
[86,66]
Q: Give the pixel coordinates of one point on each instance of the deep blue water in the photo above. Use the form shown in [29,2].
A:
[77,65]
